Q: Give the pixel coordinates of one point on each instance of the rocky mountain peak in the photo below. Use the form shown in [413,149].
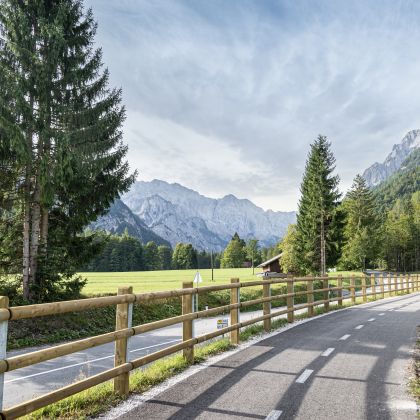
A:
[379,172]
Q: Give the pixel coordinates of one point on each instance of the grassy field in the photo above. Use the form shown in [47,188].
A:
[148,281]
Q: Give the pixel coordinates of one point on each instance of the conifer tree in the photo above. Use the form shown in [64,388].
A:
[361,229]
[60,131]
[317,206]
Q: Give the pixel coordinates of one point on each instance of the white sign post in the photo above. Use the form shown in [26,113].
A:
[197,279]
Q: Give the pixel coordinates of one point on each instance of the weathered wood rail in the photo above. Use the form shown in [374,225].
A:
[380,286]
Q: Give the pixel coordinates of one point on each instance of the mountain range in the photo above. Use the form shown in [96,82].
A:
[171,213]
[180,214]
[379,172]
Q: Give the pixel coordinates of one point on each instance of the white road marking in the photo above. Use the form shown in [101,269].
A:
[305,375]
[344,337]
[274,415]
[155,345]
[359,327]
[371,319]
[83,363]
[382,314]
[328,352]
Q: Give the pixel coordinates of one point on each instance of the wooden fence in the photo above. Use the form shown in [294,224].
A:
[333,289]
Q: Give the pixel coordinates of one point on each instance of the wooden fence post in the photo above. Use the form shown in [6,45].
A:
[417,281]
[373,285]
[401,286]
[4,303]
[325,285]
[124,318]
[187,326]
[364,288]
[267,306]
[234,313]
[340,292]
[310,296]
[290,300]
[396,281]
[353,289]
[389,285]
[381,283]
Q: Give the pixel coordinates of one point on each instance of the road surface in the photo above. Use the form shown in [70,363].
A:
[350,364]
[24,384]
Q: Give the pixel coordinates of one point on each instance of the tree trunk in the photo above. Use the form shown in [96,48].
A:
[26,239]
[44,231]
[35,236]
[323,259]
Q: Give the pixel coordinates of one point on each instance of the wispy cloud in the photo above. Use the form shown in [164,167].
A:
[225,97]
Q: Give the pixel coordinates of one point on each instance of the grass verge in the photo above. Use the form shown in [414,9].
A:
[414,384]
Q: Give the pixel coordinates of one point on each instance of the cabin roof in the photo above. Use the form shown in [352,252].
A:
[265,263]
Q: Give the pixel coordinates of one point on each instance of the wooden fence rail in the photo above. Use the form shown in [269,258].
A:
[342,288]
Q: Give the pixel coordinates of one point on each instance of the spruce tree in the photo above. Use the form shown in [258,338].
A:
[361,229]
[317,206]
[60,130]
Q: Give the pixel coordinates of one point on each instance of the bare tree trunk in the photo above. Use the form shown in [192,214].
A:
[35,235]
[26,238]
[27,214]
[323,259]
[44,231]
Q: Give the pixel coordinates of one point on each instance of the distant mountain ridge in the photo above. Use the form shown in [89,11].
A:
[379,172]
[119,218]
[179,214]
[401,184]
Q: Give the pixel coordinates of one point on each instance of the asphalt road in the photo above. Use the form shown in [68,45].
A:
[351,364]
[26,383]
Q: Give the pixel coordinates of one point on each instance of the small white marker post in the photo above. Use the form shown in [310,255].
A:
[4,303]
[197,279]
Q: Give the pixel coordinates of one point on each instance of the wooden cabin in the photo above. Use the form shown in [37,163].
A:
[272,265]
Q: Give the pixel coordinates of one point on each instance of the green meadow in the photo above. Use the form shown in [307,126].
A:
[149,281]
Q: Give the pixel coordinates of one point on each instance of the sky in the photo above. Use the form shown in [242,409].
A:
[226,96]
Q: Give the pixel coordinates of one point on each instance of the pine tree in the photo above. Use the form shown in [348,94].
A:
[60,130]
[361,230]
[317,206]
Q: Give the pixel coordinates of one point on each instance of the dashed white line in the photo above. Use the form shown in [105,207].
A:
[274,415]
[382,314]
[371,319]
[84,363]
[328,352]
[305,375]
[344,337]
[359,327]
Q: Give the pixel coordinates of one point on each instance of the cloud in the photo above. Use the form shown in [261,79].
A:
[226,97]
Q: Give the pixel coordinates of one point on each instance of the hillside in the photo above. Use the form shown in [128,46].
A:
[402,183]
[179,214]
[119,218]
[380,172]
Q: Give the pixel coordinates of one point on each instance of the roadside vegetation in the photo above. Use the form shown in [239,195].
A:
[414,385]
